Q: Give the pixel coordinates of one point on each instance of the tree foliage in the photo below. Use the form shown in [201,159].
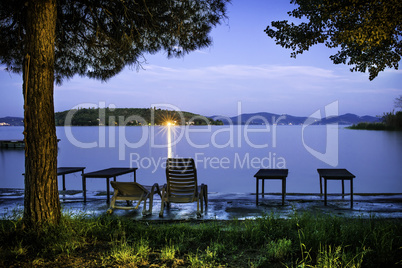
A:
[398,102]
[367,33]
[51,40]
[393,120]
[98,38]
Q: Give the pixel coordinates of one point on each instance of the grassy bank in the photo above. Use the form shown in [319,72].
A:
[302,240]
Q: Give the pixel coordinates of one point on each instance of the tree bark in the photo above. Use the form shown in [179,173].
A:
[41,202]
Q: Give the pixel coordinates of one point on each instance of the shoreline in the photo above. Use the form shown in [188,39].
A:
[224,206]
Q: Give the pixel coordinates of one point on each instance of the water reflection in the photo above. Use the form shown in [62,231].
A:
[227,157]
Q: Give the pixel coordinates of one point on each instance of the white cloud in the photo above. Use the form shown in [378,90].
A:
[215,88]
[238,72]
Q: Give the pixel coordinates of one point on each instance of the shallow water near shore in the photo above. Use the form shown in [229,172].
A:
[222,206]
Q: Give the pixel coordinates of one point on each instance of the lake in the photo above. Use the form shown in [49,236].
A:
[227,157]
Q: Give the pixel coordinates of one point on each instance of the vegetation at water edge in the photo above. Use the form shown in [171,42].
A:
[390,121]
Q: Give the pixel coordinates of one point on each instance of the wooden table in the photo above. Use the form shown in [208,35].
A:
[271,174]
[62,171]
[106,174]
[336,174]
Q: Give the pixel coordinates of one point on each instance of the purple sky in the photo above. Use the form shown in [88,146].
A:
[243,65]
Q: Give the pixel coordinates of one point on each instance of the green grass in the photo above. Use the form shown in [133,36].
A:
[303,240]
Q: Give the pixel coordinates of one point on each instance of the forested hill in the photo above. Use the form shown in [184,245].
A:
[11,121]
[129,117]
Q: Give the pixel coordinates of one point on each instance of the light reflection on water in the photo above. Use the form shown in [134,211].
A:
[227,157]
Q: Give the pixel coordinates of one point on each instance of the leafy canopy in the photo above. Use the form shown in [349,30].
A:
[97,38]
[398,102]
[366,32]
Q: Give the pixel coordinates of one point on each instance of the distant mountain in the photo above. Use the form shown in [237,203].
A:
[252,119]
[349,119]
[11,121]
[285,119]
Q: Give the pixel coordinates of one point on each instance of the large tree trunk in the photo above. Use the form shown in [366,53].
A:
[41,203]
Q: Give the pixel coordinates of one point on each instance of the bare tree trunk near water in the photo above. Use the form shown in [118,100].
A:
[41,203]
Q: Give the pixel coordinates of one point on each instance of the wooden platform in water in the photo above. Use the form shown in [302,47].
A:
[14,143]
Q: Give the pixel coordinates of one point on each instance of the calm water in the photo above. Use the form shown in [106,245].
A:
[227,157]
